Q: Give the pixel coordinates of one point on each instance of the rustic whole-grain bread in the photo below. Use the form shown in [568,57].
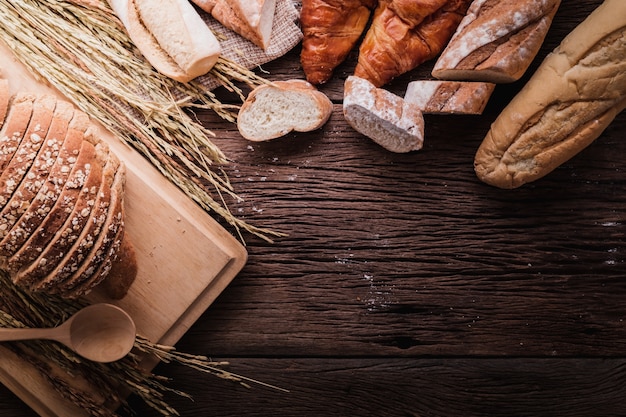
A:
[573,96]
[496,41]
[62,193]
[384,117]
[273,110]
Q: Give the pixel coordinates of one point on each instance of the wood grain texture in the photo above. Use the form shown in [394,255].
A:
[405,286]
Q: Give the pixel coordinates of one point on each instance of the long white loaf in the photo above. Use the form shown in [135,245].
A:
[574,95]
[171,35]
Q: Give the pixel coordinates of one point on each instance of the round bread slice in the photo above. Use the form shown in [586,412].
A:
[94,269]
[50,191]
[88,235]
[21,109]
[274,110]
[65,236]
[15,172]
[57,216]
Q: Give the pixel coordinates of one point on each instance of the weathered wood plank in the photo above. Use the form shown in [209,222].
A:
[411,387]
[411,254]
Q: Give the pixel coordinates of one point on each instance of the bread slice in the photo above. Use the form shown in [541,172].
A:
[28,148]
[252,19]
[449,97]
[384,117]
[94,268]
[87,237]
[16,123]
[496,41]
[57,215]
[59,164]
[32,179]
[68,233]
[274,110]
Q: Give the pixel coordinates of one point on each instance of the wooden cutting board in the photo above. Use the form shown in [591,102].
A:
[185,259]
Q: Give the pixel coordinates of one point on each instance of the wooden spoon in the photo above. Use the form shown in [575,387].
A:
[100,332]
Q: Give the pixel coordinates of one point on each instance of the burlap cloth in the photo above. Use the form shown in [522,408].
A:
[286,34]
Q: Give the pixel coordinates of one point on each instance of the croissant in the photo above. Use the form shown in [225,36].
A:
[406,33]
[330,30]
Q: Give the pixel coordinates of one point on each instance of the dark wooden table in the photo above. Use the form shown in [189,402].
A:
[405,286]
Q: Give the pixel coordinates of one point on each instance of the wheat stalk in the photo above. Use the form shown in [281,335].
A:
[81,48]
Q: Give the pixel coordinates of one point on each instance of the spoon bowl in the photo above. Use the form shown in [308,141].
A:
[100,332]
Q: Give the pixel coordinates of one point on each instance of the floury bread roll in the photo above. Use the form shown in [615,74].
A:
[575,94]
[171,35]
[496,41]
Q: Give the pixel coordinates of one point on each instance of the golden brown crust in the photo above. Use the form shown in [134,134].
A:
[49,192]
[331,29]
[496,41]
[575,93]
[98,262]
[20,111]
[123,271]
[404,34]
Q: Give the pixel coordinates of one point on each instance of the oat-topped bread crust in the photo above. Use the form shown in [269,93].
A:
[37,175]
[57,216]
[61,200]
[50,191]
[85,242]
[28,148]
[14,127]
[103,251]
[69,232]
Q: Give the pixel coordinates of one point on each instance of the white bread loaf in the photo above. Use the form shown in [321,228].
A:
[274,110]
[574,95]
[449,97]
[496,41]
[382,116]
[171,35]
[251,19]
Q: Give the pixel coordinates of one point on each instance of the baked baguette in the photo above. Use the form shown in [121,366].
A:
[273,110]
[449,97]
[574,95]
[171,35]
[496,41]
[382,116]
[251,19]
[404,34]
[330,29]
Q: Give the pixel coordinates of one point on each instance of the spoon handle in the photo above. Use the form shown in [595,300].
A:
[13,334]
